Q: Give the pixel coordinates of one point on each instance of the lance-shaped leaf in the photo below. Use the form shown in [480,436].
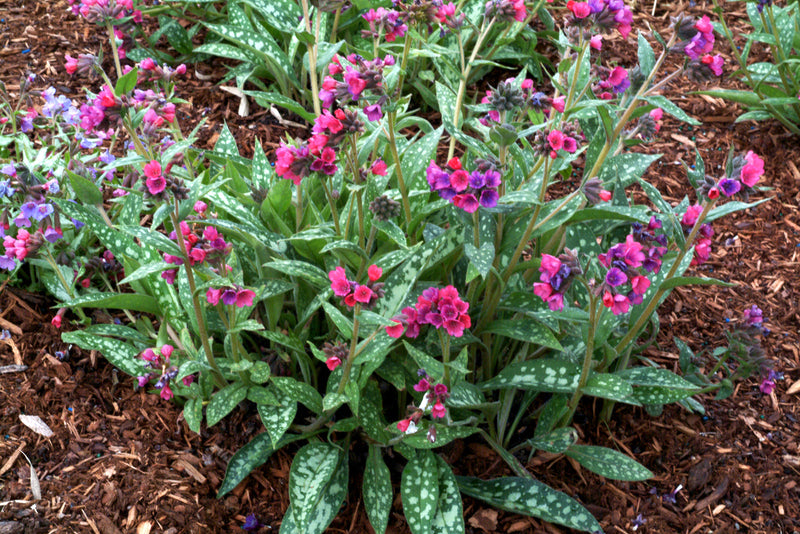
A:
[326,507]
[249,457]
[449,518]
[277,419]
[223,401]
[555,376]
[419,487]
[609,463]
[377,490]
[530,497]
[312,470]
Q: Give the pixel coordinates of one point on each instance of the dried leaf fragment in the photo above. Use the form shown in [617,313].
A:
[35,423]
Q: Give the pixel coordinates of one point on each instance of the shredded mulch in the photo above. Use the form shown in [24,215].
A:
[122,461]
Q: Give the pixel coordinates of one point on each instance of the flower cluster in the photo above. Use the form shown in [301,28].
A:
[351,292]
[702,243]
[506,10]
[463,190]
[556,277]
[552,141]
[334,354]
[204,246]
[386,22]
[358,77]
[612,82]
[151,71]
[434,397]
[605,15]
[230,296]
[747,170]
[436,307]
[624,283]
[753,316]
[159,359]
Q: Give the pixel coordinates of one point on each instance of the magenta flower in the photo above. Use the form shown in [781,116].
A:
[213,295]
[422,386]
[753,169]
[244,297]
[615,277]
[438,410]
[339,283]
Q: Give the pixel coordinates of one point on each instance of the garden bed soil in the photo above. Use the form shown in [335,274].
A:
[124,461]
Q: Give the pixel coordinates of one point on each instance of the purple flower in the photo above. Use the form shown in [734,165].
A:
[251,523]
[9,170]
[489,198]
[373,112]
[615,277]
[7,263]
[52,235]
[729,187]
[28,209]
[229,296]
[5,189]
[753,316]
[42,211]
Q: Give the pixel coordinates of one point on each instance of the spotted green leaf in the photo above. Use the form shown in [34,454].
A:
[668,107]
[146,270]
[530,497]
[313,468]
[656,395]
[193,413]
[393,231]
[417,157]
[609,463]
[449,518]
[481,258]
[300,391]
[312,273]
[266,99]
[122,355]
[608,386]
[444,435]
[447,106]
[525,329]
[280,14]
[465,395]
[277,419]
[223,401]
[155,239]
[647,58]
[419,488]
[342,323]
[261,42]
[253,455]
[226,51]
[655,376]
[377,490]
[558,440]
[327,504]
[555,376]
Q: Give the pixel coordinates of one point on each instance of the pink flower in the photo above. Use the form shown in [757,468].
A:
[459,180]
[395,331]
[639,284]
[244,298]
[56,321]
[440,390]
[106,97]
[379,167]
[714,63]
[339,283]
[156,185]
[753,169]
[656,114]
[71,66]
[559,103]
[422,386]
[152,169]
[403,425]
[363,294]
[556,139]
[691,215]
[596,42]
[213,295]
[550,265]
[605,196]
[556,302]
[374,272]
[581,10]
[169,275]
[767,386]
[570,144]
[166,392]
[148,64]
[438,410]
[149,355]
[542,290]
[200,207]
[333,362]
[166,351]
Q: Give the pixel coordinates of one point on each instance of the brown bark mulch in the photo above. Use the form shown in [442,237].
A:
[123,461]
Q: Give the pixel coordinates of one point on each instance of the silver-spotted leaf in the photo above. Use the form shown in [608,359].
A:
[609,463]
[419,488]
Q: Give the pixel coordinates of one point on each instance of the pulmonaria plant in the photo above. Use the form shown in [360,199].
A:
[434,398]
[440,308]
[159,361]
[353,293]
[467,191]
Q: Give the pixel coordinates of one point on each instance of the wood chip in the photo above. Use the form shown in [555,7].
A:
[11,459]
[35,423]
[794,388]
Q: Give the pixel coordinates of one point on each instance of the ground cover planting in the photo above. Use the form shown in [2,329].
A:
[433,268]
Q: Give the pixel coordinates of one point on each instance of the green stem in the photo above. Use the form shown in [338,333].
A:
[351,356]
[587,361]
[198,309]
[298,210]
[401,184]
[444,340]
[312,57]
[114,50]
[462,86]
[370,241]
[332,204]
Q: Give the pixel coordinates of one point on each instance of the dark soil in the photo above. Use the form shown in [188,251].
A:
[123,461]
